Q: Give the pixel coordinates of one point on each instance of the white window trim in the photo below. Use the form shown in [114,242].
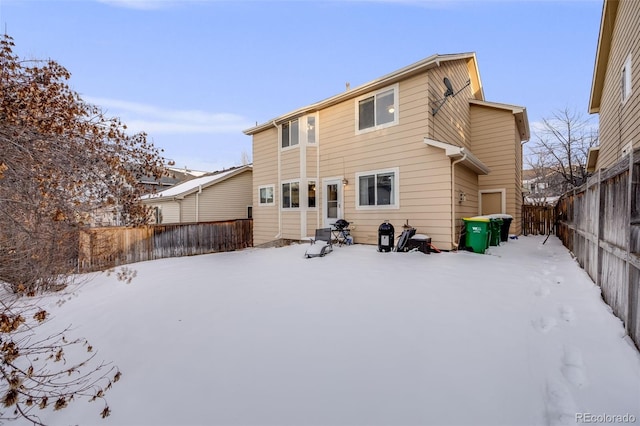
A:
[273,189]
[288,209]
[396,190]
[626,150]
[396,91]
[626,72]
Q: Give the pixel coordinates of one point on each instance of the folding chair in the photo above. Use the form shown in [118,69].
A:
[321,244]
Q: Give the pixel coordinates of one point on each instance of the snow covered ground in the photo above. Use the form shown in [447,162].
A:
[266,337]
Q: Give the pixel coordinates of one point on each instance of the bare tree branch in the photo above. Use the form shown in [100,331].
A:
[558,154]
[60,160]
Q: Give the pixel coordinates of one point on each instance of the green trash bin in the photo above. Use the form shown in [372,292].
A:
[478,231]
[506,224]
[496,231]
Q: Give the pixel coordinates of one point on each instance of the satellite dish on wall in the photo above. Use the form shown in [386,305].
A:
[449,87]
[448,93]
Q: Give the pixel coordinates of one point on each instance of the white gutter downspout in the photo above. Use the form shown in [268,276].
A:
[279,234]
[198,203]
[453,197]
[179,201]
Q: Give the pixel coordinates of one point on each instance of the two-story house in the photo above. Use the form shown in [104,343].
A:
[419,145]
[614,89]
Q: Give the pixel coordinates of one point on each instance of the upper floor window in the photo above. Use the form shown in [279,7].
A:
[311,129]
[265,195]
[290,195]
[289,133]
[377,110]
[625,79]
[378,189]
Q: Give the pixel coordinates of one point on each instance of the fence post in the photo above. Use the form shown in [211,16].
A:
[600,205]
[627,320]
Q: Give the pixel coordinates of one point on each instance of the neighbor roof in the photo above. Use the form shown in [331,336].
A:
[185,188]
[420,66]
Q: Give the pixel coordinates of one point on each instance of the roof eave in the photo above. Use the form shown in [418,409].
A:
[420,66]
[456,153]
[182,195]
[609,12]
[592,158]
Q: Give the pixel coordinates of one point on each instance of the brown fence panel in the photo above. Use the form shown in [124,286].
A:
[600,223]
[537,220]
[104,248]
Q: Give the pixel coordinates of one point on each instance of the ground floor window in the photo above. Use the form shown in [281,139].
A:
[290,195]
[377,189]
[265,194]
[311,194]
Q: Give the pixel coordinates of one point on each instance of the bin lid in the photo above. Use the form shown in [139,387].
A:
[500,216]
[476,219]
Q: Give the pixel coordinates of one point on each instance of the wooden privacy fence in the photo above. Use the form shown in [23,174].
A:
[104,248]
[600,223]
[537,220]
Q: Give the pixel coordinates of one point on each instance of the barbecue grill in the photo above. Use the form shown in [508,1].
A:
[341,232]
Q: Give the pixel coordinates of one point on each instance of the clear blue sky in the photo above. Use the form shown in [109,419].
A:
[193,74]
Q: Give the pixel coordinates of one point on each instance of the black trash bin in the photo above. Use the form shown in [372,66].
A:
[504,228]
[385,236]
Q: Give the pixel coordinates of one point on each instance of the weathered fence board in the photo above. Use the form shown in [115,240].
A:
[103,248]
[600,223]
[537,220]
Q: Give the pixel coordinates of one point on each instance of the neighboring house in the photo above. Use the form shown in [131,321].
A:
[615,88]
[171,177]
[224,195]
[545,185]
[536,188]
[420,145]
[112,216]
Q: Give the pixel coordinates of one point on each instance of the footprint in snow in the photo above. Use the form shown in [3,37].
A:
[573,367]
[545,324]
[560,406]
[567,313]
[543,291]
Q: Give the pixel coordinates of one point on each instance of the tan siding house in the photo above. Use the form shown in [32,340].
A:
[402,148]
[225,195]
[615,90]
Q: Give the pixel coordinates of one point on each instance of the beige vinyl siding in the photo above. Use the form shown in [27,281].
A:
[516,223]
[496,144]
[312,161]
[290,164]
[451,122]
[170,210]
[312,223]
[291,225]
[466,182]
[620,123]
[188,206]
[265,172]
[227,200]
